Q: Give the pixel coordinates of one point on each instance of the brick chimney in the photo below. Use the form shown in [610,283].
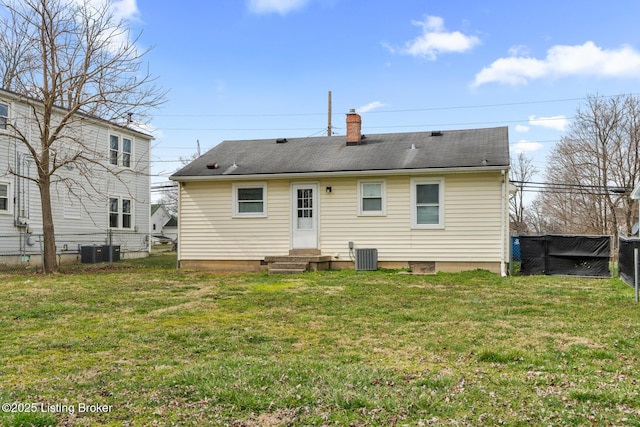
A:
[354,127]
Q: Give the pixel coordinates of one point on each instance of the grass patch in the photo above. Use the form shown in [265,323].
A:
[161,346]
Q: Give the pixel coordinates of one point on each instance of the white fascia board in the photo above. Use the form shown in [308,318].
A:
[303,175]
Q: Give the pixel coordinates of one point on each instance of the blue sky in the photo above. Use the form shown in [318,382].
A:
[240,69]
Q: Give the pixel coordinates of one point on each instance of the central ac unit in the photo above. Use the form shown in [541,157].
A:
[366,259]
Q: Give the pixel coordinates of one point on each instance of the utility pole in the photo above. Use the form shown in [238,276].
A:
[329,117]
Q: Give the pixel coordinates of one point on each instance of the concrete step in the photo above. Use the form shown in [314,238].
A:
[285,271]
[297,263]
[290,265]
[290,258]
[304,252]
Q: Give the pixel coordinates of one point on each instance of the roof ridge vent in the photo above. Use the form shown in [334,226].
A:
[281,140]
[436,133]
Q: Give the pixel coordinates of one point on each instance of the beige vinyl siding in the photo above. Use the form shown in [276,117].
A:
[471,233]
[340,222]
[208,231]
[472,223]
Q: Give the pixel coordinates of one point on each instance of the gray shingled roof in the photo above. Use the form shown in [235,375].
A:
[416,150]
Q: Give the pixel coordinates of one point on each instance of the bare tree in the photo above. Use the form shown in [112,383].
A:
[169,196]
[599,163]
[537,217]
[522,171]
[69,60]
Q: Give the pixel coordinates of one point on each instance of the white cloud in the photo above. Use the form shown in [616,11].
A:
[435,40]
[524,146]
[125,9]
[522,128]
[518,50]
[279,6]
[556,122]
[563,61]
[122,9]
[370,106]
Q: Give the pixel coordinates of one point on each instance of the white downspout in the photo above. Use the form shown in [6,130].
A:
[503,271]
[179,230]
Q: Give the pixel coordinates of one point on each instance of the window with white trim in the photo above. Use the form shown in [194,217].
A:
[4,115]
[371,198]
[126,152]
[120,151]
[249,200]
[120,213]
[427,203]
[114,149]
[126,213]
[5,198]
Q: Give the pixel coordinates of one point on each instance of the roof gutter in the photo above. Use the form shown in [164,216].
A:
[302,175]
[16,97]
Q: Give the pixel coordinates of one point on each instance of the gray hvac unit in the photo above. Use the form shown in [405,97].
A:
[115,253]
[366,259]
[91,254]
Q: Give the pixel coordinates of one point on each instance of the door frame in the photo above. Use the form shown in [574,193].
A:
[316,212]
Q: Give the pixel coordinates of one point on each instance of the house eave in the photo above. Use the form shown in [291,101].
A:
[303,175]
[17,97]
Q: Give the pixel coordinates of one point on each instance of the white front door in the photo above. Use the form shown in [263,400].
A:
[304,216]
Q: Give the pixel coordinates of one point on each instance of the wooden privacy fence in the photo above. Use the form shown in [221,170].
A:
[567,255]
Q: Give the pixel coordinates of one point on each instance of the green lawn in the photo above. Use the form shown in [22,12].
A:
[159,346]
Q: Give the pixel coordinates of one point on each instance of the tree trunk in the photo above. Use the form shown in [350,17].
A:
[48,231]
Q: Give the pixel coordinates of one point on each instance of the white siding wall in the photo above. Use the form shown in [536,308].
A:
[472,229]
[472,221]
[158,220]
[88,215]
[207,230]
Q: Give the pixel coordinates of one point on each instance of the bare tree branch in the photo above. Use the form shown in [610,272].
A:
[598,154]
[522,171]
[70,61]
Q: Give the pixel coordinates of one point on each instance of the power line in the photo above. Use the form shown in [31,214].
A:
[454,107]
[428,125]
[564,188]
[164,185]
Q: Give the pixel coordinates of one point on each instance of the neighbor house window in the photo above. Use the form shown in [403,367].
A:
[249,200]
[120,212]
[114,148]
[114,213]
[371,195]
[427,203]
[126,213]
[120,150]
[126,152]
[4,115]
[4,198]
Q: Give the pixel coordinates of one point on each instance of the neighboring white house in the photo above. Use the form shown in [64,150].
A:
[436,200]
[164,226]
[84,210]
